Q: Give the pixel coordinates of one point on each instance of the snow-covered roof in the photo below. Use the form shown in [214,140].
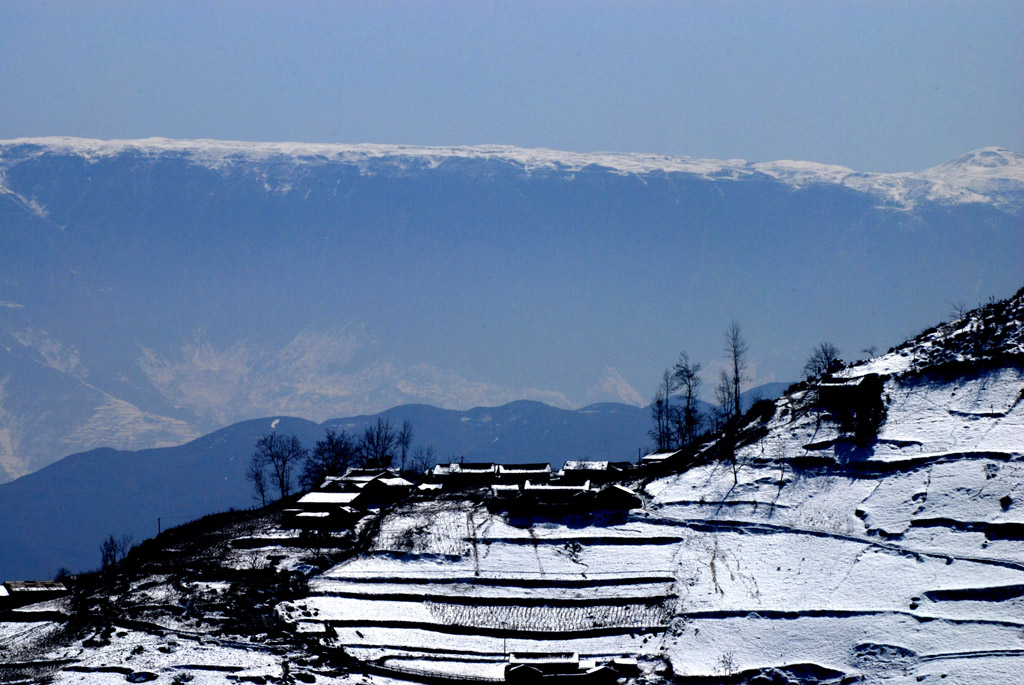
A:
[585,466]
[544,487]
[358,477]
[659,456]
[394,482]
[456,467]
[524,468]
[342,498]
[543,657]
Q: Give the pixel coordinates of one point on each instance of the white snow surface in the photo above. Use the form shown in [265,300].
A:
[990,175]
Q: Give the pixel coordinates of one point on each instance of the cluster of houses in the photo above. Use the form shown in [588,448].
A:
[579,487]
[341,501]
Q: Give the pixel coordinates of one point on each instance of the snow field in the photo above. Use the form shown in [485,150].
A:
[867,572]
[841,643]
[592,589]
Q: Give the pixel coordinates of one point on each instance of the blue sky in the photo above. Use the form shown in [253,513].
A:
[878,86]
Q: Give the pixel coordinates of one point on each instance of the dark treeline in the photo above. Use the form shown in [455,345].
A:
[277,458]
[677,421]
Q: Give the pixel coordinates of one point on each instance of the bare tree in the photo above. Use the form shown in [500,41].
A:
[959,310]
[257,475]
[686,379]
[736,348]
[378,444]
[403,440]
[661,413]
[331,456]
[423,459]
[279,454]
[124,545]
[823,356]
[724,399]
[113,550]
[108,552]
[726,420]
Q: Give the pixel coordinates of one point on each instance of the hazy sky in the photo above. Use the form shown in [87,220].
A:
[878,86]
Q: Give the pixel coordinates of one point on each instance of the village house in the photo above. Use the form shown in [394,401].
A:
[846,396]
[659,461]
[521,473]
[384,490]
[320,500]
[505,492]
[354,478]
[546,498]
[342,500]
[844,393]
[575,472]
[617,498]
[19,593]
[465,475]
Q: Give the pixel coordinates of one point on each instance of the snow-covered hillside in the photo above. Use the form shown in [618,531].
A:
[900,561]
[823,553]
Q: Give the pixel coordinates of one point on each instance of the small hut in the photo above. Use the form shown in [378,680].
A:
[24,592]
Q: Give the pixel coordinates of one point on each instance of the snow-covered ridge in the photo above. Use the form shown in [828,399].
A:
[989,175]
[992,331]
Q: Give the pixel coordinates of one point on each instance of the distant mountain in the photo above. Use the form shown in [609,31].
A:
[152,291]
[58,515]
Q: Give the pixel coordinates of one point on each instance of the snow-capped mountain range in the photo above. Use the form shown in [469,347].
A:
[992,175]
[155,290]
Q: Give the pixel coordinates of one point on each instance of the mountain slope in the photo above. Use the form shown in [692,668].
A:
[822,556]
[200,283]
[75,503]
[800,548]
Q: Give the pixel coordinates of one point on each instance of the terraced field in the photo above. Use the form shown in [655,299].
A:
[901,562]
